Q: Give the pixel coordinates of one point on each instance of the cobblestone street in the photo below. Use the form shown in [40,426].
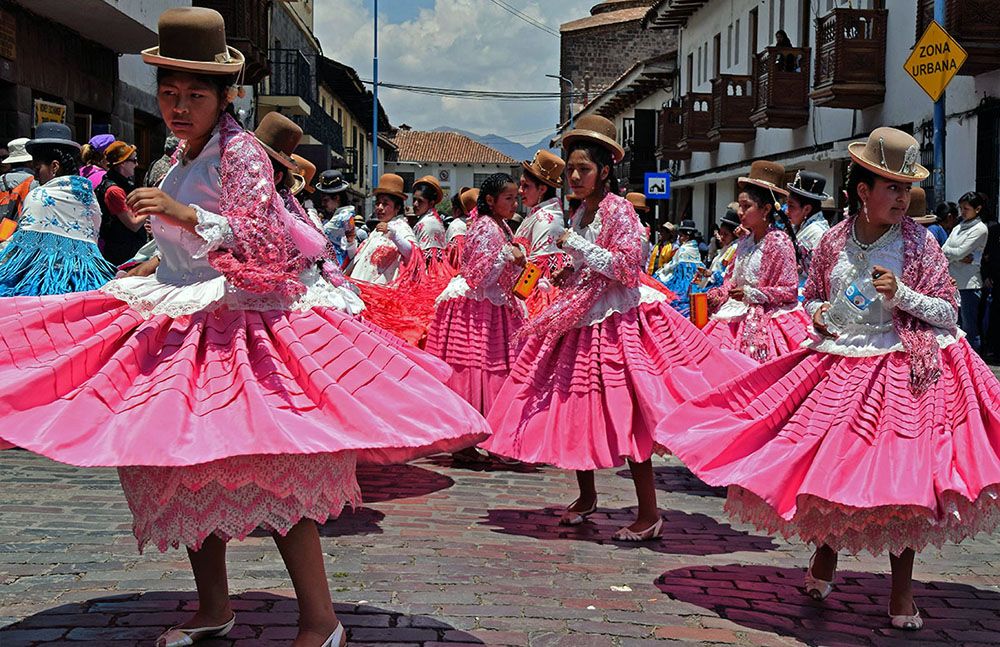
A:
[442,555]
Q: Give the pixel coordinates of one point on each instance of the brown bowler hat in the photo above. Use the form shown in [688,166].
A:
[308,170]
[767,175]
[918,207]
[469,197]
[390,184]
[891,154]
[638,201]
[193,39]
[280,136]
[547,168]
[432,182]
[598,130]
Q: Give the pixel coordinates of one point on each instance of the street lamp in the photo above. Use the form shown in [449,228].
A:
[572,90]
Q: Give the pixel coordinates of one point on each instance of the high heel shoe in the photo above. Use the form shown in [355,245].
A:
[338,638]
[907,623]
[627,534]
[185,636]
[816,588]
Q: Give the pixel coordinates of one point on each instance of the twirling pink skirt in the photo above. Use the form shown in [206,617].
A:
[785,332]
[837,450]
[591,398]
[475,338]
[185,405]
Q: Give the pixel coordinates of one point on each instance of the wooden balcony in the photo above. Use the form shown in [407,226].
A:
[781,88]
[850,58]
[247,31]
[696,119]
[671,130]
[638,160]
[732,103]
[976,27]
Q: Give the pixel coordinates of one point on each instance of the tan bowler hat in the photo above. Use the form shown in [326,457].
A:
[767,175]
[918,207]
[546,167]
[598,130]
[432,182]
[470,198]
[280,136]
[307,170]
[391,184]
[638,201]
[193,39]
[891,154]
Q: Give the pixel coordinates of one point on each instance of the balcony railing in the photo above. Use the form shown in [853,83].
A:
[671,130]
[293,75]
[732,103]
[638,160]
[781,88]
[974,24]
[247,31]
[850,58]
[695,122]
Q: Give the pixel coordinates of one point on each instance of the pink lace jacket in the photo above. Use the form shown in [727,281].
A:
[774,287]
[925,270]
[271,248]
[616,257]
[486,256]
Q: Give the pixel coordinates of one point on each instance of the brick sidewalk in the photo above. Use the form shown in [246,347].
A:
[451,556]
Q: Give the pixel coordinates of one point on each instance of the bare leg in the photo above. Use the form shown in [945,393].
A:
[825,564]
[645,492]
[901,598]
[303,556]
[209,567]
[588,494]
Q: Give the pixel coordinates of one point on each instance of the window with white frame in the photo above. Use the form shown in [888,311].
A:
[736,44]
[729,46]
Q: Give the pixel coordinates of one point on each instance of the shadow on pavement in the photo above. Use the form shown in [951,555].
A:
[683,533]
[261,619]
[678,479]
[381,483]
[489,464]
[771,599]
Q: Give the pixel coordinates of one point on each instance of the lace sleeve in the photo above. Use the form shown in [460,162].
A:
[584,252]
[932,310]
[779,275]
[213,229]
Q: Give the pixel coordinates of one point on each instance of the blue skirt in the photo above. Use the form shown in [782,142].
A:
[35,263]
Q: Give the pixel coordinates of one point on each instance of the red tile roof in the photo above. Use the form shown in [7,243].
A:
[446,147]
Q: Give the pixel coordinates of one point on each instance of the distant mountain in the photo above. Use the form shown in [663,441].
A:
[502,144]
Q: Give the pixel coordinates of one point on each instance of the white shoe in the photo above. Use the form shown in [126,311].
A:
[816,588]
[907,623]
[185,636]
[573,518]
[338,638]
[627,534]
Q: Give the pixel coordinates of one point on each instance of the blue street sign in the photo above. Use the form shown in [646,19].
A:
[657,186]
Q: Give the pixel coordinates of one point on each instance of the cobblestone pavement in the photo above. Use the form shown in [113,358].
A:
[448,556]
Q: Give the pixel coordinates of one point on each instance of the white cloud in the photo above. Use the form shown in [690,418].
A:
[466,44]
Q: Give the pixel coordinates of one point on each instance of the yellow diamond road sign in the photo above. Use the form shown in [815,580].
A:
[935,60]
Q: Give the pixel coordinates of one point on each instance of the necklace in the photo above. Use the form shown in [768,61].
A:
[876,243]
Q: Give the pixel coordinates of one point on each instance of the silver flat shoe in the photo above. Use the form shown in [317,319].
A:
[908,623]
[186,636]
[338,638]
[816,588]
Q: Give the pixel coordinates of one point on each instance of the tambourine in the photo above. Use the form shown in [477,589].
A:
[527,281]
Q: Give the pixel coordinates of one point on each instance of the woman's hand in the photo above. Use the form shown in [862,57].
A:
[884,282]
[150,201]
[819,321]
[563,237]
[968,259]
[382,228]
[562,275]
[517,255]
[146,268]
[736,293]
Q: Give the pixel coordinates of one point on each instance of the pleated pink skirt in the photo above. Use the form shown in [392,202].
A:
[837,450]
[785,332]
[591,398]
[475,338]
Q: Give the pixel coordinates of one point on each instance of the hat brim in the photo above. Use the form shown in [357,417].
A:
[378,192]
[617,152]
[46,141]
[278,156]
[531,171]
[14,159]
[929,219]
[764,184]
[131,151]
[819,197]
[437,190]
[298,183]
[854,149]
[152,56]
[340,188]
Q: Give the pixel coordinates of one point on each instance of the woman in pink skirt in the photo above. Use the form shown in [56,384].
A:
[884,433]
[477,315]
[538,233]
[756,310]
[608,360]
[224,378]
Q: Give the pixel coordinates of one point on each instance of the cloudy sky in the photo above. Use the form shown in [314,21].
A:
[466,44]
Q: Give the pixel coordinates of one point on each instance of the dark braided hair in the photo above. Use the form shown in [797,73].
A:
[856,175]
[68,158]
[600,156]
[765,198]
[492,186]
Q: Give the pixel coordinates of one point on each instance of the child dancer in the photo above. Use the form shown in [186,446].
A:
[882,435]
[225,387]
[538,233]
[756,310]
[429,231]
[605,362]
